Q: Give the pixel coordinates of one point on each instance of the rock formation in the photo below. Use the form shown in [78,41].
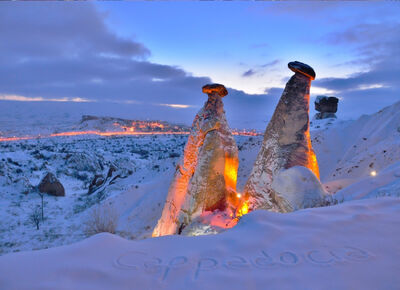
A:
[205,178]
[326,106]
[51,185]
[99,182]
[299,187]
[286,142]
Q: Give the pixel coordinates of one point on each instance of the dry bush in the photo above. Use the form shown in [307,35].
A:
[34,217]
[102,218]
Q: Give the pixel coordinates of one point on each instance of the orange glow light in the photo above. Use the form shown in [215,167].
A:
[130,131]
[244,209]
[230,172]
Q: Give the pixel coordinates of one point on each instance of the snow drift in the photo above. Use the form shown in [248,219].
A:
[355,245]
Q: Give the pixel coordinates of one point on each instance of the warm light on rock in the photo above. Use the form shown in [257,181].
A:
[230,171]
[287,142]
[205,179]
[244,209]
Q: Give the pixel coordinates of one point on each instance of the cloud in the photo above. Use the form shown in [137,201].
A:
[271,63]
[177,106]
[251,111]
[56,53]
[40,99]
[249,73]
[35,30]
[260,69]
[274,91]
[376,46]
[65,51]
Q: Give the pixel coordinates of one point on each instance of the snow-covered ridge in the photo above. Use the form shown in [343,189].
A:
[91,125]
[97,125]
[110,124]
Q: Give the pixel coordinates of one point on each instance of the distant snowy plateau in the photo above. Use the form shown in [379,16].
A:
[352,244]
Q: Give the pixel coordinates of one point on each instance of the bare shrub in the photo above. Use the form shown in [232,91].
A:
[34,217]
[102,218]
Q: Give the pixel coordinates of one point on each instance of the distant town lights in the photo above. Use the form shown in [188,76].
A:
[372,173]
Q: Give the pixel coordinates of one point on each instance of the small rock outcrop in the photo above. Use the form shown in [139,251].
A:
[51,185]
[99,182]
[205,178]
[326,106]
[286,142]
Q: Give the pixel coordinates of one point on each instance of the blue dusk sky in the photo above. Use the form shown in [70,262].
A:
[149,60]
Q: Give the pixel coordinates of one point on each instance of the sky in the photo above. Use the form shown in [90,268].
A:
[149,60]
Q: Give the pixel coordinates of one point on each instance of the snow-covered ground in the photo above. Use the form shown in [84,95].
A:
[333,247]
[145,165]
[354,245]
[360,158]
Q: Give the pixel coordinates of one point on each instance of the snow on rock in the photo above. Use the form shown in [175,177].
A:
[286,143]
[298,187]
[354,245]
[205,178]
[83,161]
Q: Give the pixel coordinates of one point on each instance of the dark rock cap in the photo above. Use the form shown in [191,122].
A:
[325,104]
[302,68]
[215,88]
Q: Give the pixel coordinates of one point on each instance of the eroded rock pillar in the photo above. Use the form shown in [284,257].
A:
[286,142]
[205,178]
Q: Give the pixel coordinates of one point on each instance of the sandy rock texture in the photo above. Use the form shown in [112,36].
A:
[286,142]
[205,178]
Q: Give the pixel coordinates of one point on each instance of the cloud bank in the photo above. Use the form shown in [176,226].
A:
[65,52]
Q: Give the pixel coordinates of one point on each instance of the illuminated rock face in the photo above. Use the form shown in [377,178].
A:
[205,178]
[286,142]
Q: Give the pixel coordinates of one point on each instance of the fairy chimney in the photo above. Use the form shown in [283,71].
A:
[205,178]
[286,142]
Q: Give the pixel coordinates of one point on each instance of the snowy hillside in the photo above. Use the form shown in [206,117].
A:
[20,130]
[145,166]
[357,159]
[110,124]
